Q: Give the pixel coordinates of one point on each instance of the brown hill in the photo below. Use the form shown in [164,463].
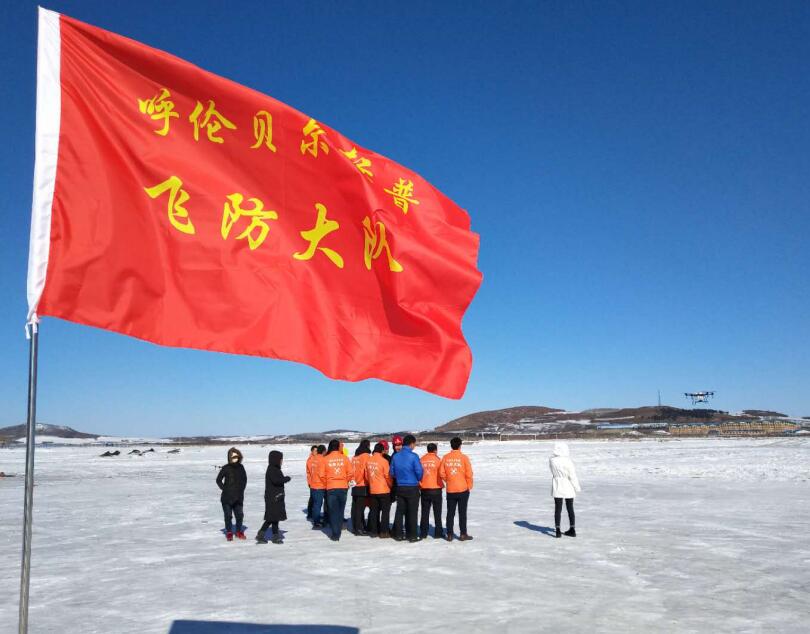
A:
[528,419]
[508,417]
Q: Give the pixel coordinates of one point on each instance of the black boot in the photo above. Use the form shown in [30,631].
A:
[571,532]
[261,538]
[558,533]
[277,539]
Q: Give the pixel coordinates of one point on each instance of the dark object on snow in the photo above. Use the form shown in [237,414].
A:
[3,474]
[232,479]
[571,532]
[110,454]
[150,450]
[569,506]
[173,451]
[558,533]
[274,480]
[274,509]
[137,452]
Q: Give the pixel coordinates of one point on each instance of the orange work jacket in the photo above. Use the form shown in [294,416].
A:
[457,472]
[308,469]
[377,477]
[359,469]
[336,470]
[314,477]
[430,472]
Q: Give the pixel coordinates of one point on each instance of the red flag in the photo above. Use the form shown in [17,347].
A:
[179,207]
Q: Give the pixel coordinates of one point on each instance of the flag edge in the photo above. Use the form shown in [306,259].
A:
[48,116]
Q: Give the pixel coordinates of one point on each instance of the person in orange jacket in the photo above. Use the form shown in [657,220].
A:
[336,470]
[430,489]
[317,486]
[360,488]
[456,471]
[379,488]
[313,451]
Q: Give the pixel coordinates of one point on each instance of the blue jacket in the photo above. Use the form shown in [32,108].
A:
[406,468]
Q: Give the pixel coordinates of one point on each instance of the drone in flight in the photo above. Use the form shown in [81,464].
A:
[698,397]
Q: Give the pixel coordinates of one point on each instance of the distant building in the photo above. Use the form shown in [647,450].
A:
[736,428]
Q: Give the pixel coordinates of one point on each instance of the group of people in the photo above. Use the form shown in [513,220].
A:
[378,480]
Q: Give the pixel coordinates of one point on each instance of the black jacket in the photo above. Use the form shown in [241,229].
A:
[274,479]
[232,479]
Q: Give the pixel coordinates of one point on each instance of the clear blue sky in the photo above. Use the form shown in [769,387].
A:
[639,174]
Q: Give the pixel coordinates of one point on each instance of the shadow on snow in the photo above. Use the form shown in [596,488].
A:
[225,627]
[547,530]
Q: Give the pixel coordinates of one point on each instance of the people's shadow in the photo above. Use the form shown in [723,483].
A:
[547,530]
[220,627]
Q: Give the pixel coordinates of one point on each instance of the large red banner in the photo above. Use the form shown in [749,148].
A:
[191,211]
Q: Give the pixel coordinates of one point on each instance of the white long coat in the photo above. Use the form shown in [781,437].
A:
[564,482]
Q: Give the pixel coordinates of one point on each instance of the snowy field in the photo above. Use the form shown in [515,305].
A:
[674,536]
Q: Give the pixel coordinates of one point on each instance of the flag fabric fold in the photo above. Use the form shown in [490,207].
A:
[176,206]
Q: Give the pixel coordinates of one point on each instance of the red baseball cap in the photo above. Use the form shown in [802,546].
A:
[397,440]
[384,443]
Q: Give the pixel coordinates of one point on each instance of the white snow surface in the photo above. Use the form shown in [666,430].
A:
[703,535]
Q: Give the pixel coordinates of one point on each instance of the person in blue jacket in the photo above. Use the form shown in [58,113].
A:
[407,469]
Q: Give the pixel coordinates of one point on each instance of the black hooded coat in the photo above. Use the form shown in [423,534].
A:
[232,479]
[274,480]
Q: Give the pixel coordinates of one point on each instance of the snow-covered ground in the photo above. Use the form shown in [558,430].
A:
[674,536]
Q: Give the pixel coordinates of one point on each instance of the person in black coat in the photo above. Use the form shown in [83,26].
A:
[232,481]
[274,508]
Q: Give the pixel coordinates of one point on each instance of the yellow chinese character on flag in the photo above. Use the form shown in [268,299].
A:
[263,130]
[178,215]
[258,215]
[402,192]
[213,122]
[362,164]
[376,243]
[322,228]
[159,107]
[314,132]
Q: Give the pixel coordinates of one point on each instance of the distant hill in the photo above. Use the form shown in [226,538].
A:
[500,418]
[59,431]
[534,420]
[540,419]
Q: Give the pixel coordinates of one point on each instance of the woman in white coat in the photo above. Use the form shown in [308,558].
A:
[564,486]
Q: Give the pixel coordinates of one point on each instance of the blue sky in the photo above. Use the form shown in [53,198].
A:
[639,174]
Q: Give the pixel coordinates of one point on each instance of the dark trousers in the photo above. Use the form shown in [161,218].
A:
[336,503]
[234,509]
[407,506]
[267,524]
[431,498]
[359,497]
[380,514]
[309,505]
[569,506]
[460,500]
[318,497]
